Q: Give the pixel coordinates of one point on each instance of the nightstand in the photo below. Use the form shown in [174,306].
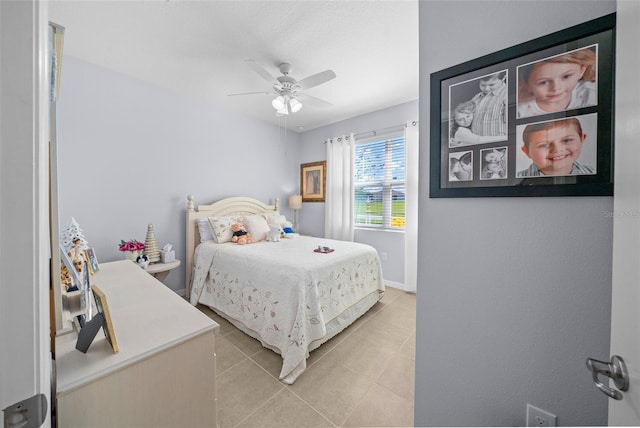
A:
[161,270]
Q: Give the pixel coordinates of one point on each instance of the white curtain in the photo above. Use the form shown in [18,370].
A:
[411,206]
[338,215]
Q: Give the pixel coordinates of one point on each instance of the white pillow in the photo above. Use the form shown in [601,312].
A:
[274,219]
[222,227]
[256,226]
[206,232]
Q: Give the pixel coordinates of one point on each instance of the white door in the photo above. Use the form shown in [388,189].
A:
[625,316]
[25,361]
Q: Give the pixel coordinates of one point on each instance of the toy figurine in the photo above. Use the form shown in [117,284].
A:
[240,235]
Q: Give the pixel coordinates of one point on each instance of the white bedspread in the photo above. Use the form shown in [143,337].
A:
[284,291]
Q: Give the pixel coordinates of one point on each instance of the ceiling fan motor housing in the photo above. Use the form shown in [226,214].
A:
[285,68]
[287,84]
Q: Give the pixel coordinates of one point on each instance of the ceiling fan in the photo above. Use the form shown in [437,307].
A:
[289,97]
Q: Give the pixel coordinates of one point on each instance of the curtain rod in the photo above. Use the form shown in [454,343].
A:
[375,131]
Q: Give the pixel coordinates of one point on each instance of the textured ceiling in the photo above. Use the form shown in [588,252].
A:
[200,47]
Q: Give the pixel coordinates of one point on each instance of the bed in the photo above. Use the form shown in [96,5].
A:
[284,294]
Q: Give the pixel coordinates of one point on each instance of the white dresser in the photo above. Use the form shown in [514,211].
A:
[164,374]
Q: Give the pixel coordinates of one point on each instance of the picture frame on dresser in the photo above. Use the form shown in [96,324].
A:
[107,325]
[90,326]
[66,261]
[489,116]
[92,260]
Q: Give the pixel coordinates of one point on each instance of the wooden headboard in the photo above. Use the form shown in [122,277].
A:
[230,206]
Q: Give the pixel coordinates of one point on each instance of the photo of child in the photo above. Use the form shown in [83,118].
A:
[490,117]
[478,110]
[553,148]
[558,83]
[461,166]
[493,163]
[461,134]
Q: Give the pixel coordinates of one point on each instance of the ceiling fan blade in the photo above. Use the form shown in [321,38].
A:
[261,71]
[312,101]
[252,93]
[316,79]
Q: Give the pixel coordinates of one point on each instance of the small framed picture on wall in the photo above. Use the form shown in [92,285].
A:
[313,181]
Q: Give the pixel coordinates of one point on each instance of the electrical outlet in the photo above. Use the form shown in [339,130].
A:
[383,256]
[539,418]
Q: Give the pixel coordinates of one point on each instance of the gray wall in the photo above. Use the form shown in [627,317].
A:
[513,293]
[130,153]
[312,149]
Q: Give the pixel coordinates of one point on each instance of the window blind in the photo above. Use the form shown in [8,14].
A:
[379,183]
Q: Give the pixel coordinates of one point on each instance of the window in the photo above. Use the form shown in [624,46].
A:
[379,183]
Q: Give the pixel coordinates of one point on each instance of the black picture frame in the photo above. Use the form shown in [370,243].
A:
[497,163]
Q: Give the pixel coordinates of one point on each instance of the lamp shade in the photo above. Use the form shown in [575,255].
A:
[295,105]
[295,202]
[278,102]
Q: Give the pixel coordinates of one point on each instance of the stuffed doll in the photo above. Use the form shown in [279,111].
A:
[76,252]
[240,235]
[287,227]
[143,261]
[288,230]
[274,233]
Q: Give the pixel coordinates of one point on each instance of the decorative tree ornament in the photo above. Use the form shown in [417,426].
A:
[70,233]
[74,244]
[151,245]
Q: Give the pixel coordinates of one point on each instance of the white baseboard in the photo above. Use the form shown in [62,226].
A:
[397,285]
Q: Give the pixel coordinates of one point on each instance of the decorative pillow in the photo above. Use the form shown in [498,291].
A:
[256,226]
[222,227]
[206,232]
[274,219]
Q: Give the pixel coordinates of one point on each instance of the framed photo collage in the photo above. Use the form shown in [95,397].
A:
[536,119]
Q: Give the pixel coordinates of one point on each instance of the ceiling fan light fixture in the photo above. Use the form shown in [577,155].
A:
[278,103]
[283,111]
[295,105]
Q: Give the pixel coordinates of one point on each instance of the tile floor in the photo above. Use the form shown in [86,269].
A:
[363,377]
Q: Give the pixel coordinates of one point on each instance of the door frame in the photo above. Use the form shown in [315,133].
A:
[625,284]
[25,360]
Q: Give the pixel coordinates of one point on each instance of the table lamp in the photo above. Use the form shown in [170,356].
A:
[295,203]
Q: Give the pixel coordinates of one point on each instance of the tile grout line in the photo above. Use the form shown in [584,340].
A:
[288,387]
[357,403]
[233,365]
[259,407]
